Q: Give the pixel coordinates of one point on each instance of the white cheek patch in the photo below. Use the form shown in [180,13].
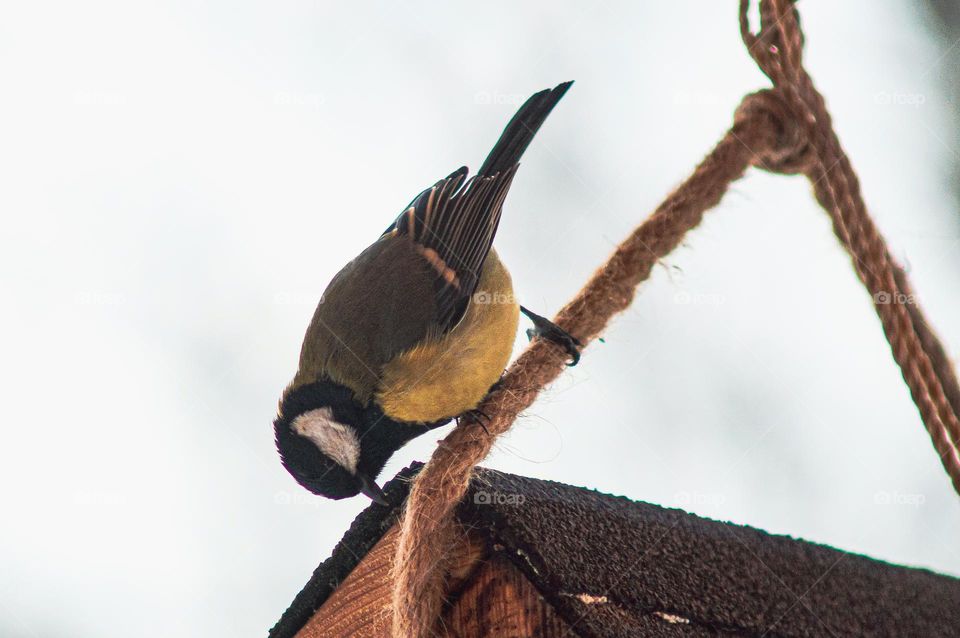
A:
[333,438]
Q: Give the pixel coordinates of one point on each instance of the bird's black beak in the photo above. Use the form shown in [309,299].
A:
[371,489]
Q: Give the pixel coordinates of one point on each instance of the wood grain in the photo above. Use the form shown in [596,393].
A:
[499,602]
[360,606]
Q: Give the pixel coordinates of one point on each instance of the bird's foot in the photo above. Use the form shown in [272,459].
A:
[543,327]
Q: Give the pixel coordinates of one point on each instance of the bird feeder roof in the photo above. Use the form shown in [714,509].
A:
[611,567]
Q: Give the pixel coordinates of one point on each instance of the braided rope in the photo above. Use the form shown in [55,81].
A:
[777,49]
[785,130]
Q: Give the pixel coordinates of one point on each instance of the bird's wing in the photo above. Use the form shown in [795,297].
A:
[416,281]
[379,305]
[411,285]
[452,225]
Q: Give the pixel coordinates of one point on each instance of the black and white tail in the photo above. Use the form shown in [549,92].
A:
[453,223]
[522,128]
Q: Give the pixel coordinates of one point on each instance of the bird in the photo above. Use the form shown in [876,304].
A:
[414,331]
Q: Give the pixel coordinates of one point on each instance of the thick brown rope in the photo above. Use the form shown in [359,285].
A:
[777,49]
[427,533]
[785,130]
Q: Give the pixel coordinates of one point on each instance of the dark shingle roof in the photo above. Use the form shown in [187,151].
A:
[615,567]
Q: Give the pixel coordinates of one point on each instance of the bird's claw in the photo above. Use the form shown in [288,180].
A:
[475,416]
[546,329]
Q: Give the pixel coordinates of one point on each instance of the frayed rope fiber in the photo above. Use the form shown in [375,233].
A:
[785,130]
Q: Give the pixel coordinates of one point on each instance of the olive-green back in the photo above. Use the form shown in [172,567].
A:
[377,306]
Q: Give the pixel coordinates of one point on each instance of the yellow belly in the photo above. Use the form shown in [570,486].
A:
[451,374]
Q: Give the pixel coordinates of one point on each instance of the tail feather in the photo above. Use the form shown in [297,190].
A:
[518,134]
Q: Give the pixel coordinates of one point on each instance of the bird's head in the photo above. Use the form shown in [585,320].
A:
[333,446]
[323,453]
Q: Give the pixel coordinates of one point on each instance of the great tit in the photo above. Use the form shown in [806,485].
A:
[414,331]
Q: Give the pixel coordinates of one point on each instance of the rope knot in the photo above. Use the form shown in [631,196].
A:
[787,149]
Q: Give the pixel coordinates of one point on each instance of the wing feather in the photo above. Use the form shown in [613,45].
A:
[453,224]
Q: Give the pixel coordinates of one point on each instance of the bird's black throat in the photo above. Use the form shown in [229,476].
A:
[379,435]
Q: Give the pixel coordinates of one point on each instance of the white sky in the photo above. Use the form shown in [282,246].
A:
[180,181]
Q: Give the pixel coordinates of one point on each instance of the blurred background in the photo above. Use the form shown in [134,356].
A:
[181,180]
